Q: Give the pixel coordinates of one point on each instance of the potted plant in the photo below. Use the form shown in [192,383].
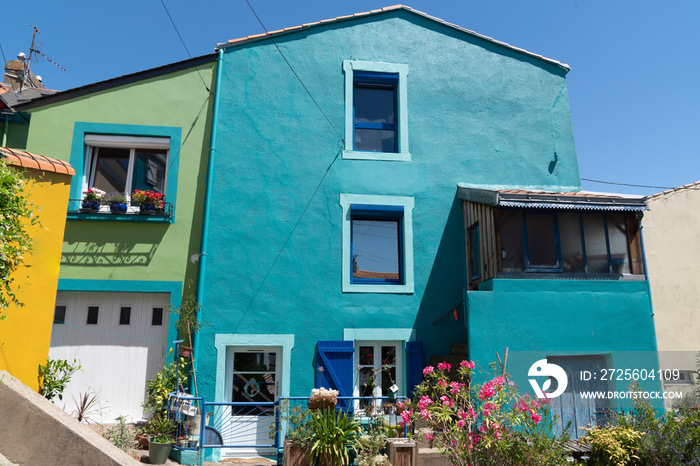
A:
[297,435]
[161,441]
[150,202]
[116,201]
[91,200]
[322,398]
[333,433]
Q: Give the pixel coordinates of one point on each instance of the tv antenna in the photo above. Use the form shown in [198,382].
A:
[34,50]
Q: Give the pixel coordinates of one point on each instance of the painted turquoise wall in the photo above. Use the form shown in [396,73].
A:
[478,113]
[540,318]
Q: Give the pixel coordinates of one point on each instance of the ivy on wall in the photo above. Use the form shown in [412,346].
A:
[16,217]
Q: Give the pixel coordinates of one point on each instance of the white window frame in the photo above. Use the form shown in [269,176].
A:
[402,154]
[398,380]
[408,203]
[133,143]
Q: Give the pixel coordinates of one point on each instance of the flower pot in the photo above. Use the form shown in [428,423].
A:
[147,209]
[89,206]
[118,208]
[295,455]
[158,452]
[186,351]
[315,405]
[142,440]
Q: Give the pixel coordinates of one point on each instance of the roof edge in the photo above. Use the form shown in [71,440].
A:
[116,82]
[285,31]
[674,190]
[26,159]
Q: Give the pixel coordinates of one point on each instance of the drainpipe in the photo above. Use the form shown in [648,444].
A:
[199,293]
[640,215]
[4,131]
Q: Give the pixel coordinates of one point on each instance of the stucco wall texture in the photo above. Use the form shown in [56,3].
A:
[478,113]
[673,254]
[26,334]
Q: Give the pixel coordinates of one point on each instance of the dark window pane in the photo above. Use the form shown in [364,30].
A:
[474,252]
[157,317]
[375,250]
[571,244]
[619,245]
[125,316]
[375,104]
[366,355]
[250,388]
[596,245]
[149,170]
[510,224]
[59,315]
[111,168]
[93,312]
[388,379]
[367,381]
[388,355]
[541,245]
[254,362]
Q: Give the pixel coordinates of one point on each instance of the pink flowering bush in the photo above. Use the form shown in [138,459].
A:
[477,424]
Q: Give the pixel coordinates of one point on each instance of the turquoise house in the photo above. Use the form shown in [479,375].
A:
[353,227]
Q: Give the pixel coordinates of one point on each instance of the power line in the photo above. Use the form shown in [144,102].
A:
[295,73]
[183,44]
[626,184]
[3,54]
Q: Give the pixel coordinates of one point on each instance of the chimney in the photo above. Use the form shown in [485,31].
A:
[18,75]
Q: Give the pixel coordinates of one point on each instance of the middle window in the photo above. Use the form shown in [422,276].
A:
[376,244]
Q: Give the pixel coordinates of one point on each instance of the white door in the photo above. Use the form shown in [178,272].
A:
[120,340]
[252,382]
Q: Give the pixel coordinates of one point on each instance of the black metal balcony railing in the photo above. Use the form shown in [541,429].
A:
[79,211]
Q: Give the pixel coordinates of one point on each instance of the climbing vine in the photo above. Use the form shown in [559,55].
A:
[16,216]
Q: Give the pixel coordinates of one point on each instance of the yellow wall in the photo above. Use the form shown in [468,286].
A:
[26,334]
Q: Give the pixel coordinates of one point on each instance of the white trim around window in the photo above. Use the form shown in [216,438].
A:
[403,154]
[408,203]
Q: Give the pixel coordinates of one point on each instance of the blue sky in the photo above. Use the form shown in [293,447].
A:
[633,87]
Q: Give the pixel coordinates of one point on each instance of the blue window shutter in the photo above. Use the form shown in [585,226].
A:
[336,358]
[414,366]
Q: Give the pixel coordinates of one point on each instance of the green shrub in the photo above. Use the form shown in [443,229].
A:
[54,376]
[333,432]
[121,436]
[613,445]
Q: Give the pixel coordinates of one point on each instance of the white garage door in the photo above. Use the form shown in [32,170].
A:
[120,339]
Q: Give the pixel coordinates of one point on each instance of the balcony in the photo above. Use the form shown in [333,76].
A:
[133,213]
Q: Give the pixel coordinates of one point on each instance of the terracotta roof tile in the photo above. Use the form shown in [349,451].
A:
[391,8]
[37,162]
[578,193]
[368,274]
[695,185]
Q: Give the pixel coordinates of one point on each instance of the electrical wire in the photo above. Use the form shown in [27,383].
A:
[626,184]
[184,45]
[295,73]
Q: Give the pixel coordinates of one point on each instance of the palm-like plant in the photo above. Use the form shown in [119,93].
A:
[332,433]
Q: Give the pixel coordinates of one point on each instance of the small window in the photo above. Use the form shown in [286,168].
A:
[676,377]
[93,312]
[376,116]
[59,315]
[379,366]
[376,244]
[123,164]
[157,317]
[475,252]
[374,107]
[125,316]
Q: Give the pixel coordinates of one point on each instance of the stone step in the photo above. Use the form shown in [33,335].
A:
[431,457]
[459,349]
[420,439]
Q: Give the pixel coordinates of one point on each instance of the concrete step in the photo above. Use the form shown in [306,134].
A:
[459,349]
[431,457]
[420,439]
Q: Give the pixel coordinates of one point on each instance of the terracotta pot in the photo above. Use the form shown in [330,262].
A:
[315,405]
[185,351]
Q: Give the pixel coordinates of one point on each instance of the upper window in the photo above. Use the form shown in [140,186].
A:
[375,111]
[124,163]
[566,241]
[377,243]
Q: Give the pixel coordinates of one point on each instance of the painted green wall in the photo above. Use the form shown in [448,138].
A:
[128,250]
[478,113]
[16,135]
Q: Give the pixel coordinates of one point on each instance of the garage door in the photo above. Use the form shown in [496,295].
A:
[120,339]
